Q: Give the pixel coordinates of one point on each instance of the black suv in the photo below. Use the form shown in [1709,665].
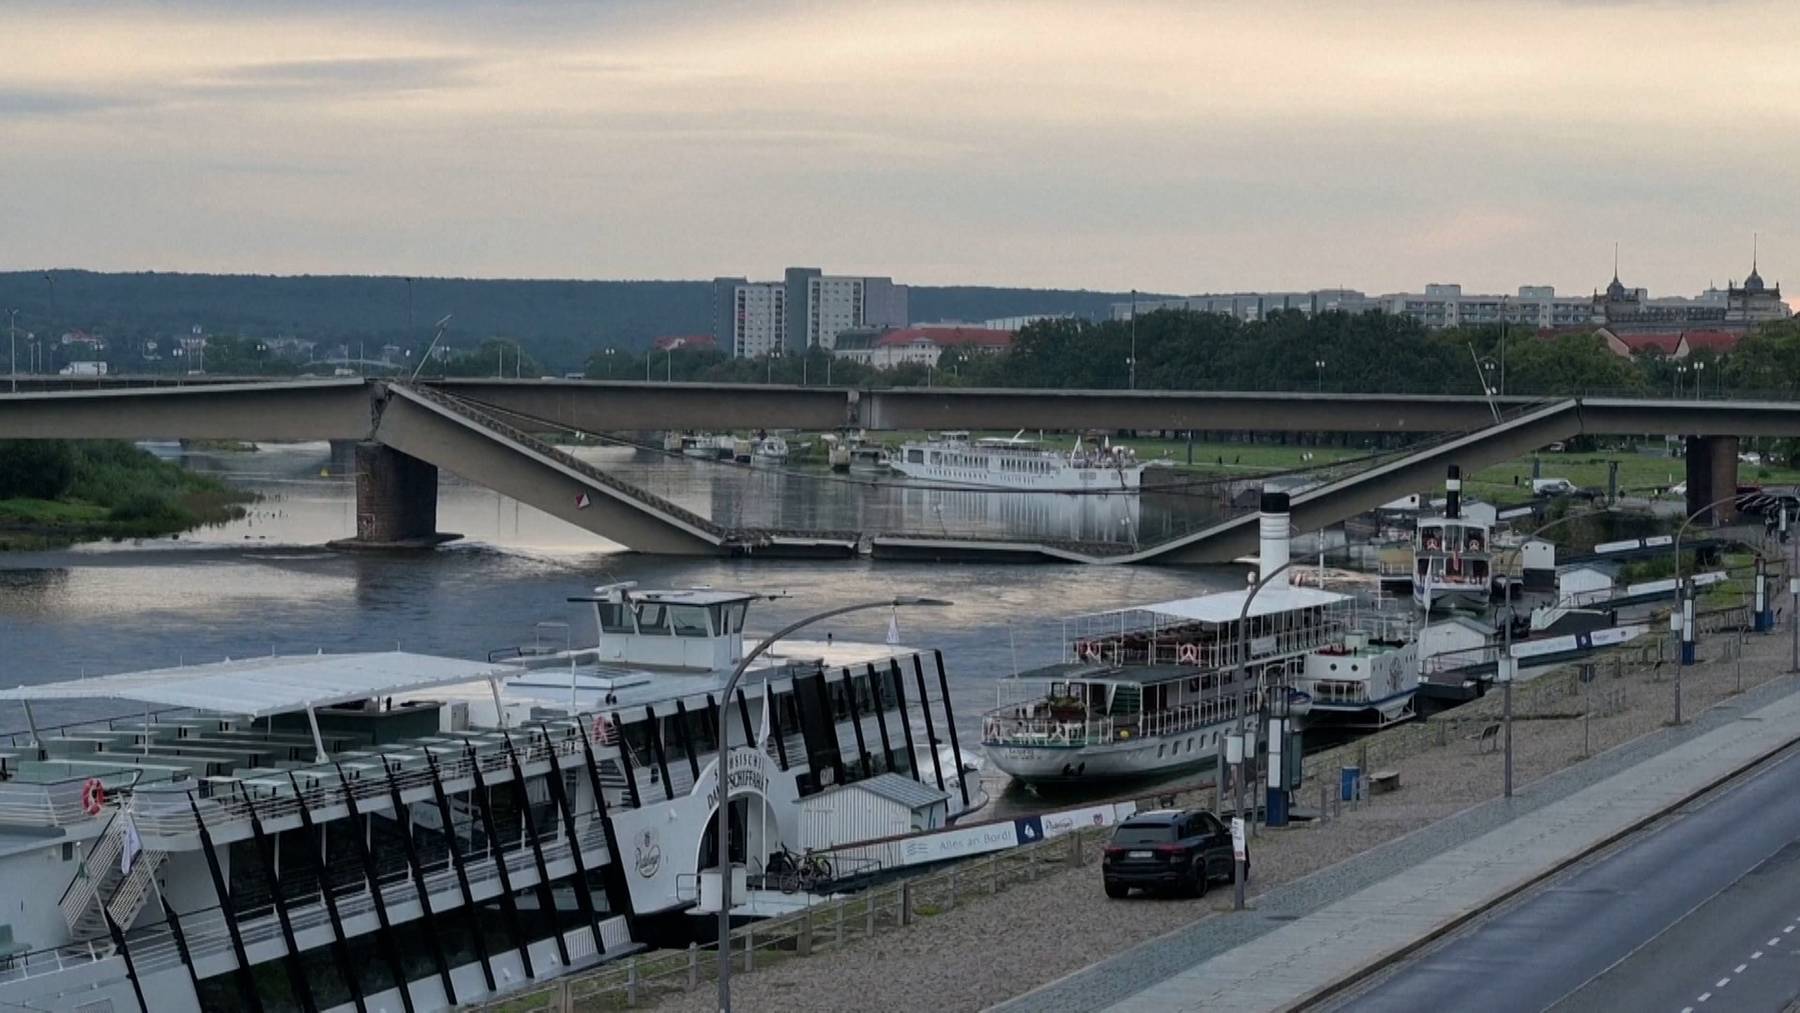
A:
[1168,849]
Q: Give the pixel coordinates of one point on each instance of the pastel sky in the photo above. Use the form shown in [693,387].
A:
[1181,147]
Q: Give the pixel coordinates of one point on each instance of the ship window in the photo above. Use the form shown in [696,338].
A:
[1159,750]
[915,457]
[614,617]
[653,619]
[689,620]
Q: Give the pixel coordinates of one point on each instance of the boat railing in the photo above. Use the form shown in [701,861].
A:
[1186,717]
[1047,731]
[1450,661]
[59,803]
[208,935]
[1139,649]
[1337,691]
[171,814]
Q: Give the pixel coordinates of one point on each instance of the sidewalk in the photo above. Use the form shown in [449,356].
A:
[1302,957]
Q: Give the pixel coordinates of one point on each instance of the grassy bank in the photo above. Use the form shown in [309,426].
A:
[54,494]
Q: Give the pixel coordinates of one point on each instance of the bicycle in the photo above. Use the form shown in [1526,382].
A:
[795,872]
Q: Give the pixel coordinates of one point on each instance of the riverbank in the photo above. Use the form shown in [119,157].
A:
[66,492]
[982,953]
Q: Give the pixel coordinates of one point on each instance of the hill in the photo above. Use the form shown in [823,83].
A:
[559,322]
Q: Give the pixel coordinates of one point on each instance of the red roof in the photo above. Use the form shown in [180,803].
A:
[1711,341]
[683,341]
[1665,342]
[947,336]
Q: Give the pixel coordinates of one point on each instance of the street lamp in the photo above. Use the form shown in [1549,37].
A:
[721,721]
[1680,610]
[1319,364]
[1699,388]
[1679,371]
[12,331]
[1131,362]
[608,355]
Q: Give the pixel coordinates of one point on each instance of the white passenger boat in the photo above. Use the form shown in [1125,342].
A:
[1018,462]
[399,831]
[1451,561]
[771,450]
[1369,680]
[1149,689]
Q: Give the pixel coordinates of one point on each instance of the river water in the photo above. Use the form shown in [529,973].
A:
[264,583]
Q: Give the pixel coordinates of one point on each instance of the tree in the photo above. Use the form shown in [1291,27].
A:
[36,469]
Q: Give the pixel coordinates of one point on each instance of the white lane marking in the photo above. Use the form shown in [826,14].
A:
[1775,942]
[1790,928]
[1756,956]
[1687,1009]
[1722,982]
[1740,969]
[1705,996]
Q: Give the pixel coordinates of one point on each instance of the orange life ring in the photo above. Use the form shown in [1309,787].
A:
[93,796]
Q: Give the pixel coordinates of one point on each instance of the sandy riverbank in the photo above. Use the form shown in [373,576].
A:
[986,952]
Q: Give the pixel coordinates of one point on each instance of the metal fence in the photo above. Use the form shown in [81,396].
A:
[831,924]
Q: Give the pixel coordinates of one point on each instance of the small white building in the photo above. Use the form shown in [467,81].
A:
[885,805]
[1582,583]
[1454,642]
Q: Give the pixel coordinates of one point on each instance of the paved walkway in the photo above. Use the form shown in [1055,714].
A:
[1313,932]
[1295,961]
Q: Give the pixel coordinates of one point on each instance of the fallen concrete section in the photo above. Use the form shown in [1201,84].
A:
[1311,957]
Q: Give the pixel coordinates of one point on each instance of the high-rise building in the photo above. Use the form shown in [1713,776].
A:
[749,318]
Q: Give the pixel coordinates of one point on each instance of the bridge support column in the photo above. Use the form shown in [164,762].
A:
[1712,475]
[396,501]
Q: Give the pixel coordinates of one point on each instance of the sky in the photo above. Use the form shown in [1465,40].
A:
[1180,147]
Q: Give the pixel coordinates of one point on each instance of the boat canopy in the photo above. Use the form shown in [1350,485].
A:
[261,686]
[1226,606]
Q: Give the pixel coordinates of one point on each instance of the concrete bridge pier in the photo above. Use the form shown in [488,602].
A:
[343,457]
[1712,463]
[396,501]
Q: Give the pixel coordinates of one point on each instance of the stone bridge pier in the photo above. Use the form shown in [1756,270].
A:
[1712,466]
[396,501]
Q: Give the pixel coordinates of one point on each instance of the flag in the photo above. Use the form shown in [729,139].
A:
[768,702]
[133,845]
[893,634]
[582,502]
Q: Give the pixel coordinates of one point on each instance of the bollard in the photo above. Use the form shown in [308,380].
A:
[631,982]
[869,916]
[906,914]
[950,902]
[1324,802]
[837,932]
[803,942]
[565,997]
[693,966]
[993,874]
[1075,851]
[749,947]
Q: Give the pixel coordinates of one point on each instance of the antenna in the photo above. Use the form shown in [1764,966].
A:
[1615,260]
[442,325]
[1753,238]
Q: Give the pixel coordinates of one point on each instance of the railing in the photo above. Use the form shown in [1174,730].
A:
[131,893]
[1187,717]
[56,804]
[825,927]
[1046,732]
[96,867]
[172,815]
[208,936]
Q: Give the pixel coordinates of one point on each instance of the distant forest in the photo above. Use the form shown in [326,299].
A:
[559,323]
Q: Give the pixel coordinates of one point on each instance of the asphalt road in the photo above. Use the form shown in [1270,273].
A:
[1700,911]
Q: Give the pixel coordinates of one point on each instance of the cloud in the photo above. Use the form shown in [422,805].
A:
[20,103]
[334,77]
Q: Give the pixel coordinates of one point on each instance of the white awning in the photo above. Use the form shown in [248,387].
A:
[1226,606]
[260,686]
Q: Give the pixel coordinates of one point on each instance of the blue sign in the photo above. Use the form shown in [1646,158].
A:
[1030,829]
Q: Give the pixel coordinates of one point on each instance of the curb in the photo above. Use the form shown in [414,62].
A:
[1449,928]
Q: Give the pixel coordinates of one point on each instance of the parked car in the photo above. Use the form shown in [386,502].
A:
[1174,850]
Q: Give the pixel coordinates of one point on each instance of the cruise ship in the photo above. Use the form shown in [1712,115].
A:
[1018,462]
[396,831]
[1148,690]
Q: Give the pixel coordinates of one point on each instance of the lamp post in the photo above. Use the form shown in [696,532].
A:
[1505,668]
[1131,362]
[1699,388]
[1243,671]
[1684,604]
[1319,364]
[608,355]
[722,722]
[1679,371]
[12,332]
[669,365]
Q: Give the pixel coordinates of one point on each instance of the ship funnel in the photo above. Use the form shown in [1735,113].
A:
[1274,527]
[1453,493]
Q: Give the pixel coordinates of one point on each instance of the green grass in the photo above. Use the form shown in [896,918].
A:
[50,513]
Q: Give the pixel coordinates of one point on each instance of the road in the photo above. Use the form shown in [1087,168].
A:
[1700,911]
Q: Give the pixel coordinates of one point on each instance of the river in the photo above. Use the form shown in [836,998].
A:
[263,583]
